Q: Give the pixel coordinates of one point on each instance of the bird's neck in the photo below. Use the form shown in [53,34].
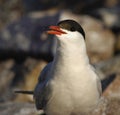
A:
[69,52]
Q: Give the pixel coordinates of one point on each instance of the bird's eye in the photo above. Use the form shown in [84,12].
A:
[72,29]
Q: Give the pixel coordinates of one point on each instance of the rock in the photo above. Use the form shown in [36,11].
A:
[113,90]
[117,44]
[107,106]
[79,6]
[31,5]
[109,67]
[108,70]
[111,3]
[27,37]
[107,81]
[33,69]
[6,78]
[113,106]
[75,6]
[100,41]
[10,10]
[110,17]
[18,109]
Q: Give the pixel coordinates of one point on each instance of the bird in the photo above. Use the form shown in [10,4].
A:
[69,85]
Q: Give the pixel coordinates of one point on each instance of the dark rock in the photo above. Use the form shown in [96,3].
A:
[107,81]
[107,106]
[10,10]
[85,6]
[77,6]
[37,5]
[113,90]
[117,44]
[110,78]
[27,37]
[111,17]
[6,78]
[113,106]
[111,3]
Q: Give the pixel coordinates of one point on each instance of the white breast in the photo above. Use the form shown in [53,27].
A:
[73,91]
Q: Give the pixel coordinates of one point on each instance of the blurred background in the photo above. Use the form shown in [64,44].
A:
[25,48]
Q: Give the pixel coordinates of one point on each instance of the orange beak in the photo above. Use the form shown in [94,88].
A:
[55,30]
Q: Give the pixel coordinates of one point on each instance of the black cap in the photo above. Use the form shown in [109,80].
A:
[71,25]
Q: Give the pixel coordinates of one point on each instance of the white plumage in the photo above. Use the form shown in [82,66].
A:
[69,84]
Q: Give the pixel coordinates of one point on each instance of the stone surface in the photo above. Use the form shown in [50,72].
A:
[27,37]
[75,6]
[113,106]
[101,108]
[113,90]
[110,67]
[6,78]
[111,3]
[111,17]
[117,44]
[34,68]
[18,109]
[10,10]
[107,106]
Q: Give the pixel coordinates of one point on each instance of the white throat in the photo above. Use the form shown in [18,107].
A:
[71,47]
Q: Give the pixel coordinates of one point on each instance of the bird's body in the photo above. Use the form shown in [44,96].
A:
[69,84]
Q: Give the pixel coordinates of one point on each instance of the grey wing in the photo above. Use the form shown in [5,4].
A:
[41,89]
[99,87]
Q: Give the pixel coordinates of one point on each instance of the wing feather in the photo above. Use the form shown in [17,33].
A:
[41,89]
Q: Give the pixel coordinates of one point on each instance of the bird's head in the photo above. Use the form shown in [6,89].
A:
[67,29]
